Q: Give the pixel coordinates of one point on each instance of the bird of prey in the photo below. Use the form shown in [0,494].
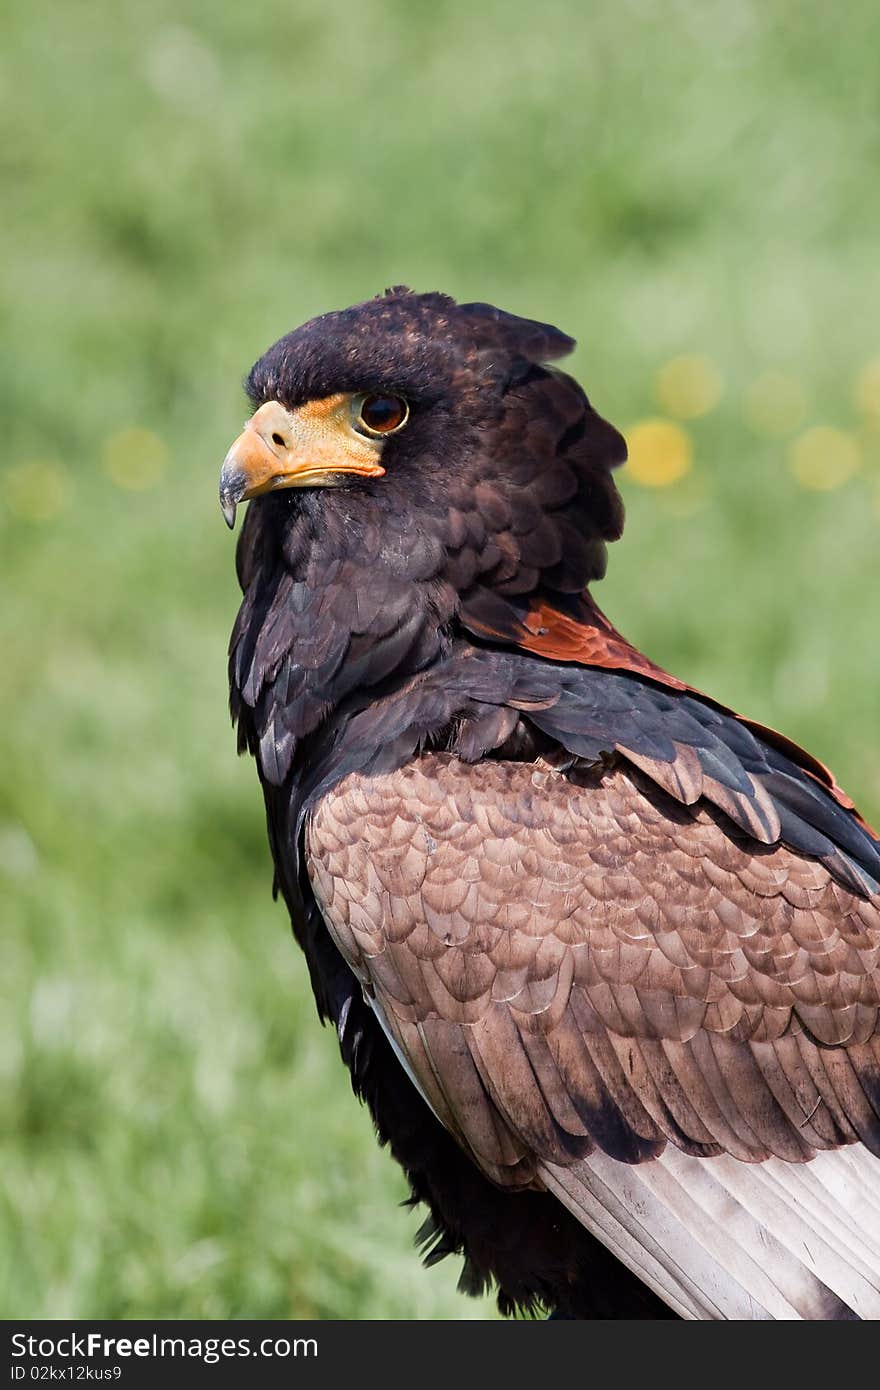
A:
[602,955]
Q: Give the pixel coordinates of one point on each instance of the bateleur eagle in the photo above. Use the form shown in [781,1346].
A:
[601,954]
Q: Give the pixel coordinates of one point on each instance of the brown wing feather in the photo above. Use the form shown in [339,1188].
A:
[657,976]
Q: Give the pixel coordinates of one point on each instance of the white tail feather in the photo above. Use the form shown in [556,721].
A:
[718,1238]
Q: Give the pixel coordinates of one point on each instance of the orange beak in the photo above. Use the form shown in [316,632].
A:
[315,445]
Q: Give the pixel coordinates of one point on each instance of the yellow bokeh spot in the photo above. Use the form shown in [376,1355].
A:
[775,404]
[868,389]
[37,490]
[135,459]
[688,387]
[660,453]
[824,458]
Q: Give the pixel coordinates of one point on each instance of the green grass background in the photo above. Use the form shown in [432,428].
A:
[183,182]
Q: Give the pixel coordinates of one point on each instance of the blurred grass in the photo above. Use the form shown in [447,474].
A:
[184,182]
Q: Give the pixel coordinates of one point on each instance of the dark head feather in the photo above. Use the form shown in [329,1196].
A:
[401,340]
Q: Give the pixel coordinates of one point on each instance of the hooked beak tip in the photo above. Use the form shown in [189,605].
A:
[233,487]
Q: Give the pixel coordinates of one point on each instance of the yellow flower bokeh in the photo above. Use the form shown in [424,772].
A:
[135,459]
[37,489]
[660,452]
[688,386]
[823,458]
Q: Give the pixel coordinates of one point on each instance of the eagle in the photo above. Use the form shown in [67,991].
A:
[602,955]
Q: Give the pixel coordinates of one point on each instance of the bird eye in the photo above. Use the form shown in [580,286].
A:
[382,414]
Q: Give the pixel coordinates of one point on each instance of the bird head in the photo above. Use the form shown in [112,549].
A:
[440,426]
[400,382]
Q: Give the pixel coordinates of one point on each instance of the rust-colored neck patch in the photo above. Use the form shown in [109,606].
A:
[589,641]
